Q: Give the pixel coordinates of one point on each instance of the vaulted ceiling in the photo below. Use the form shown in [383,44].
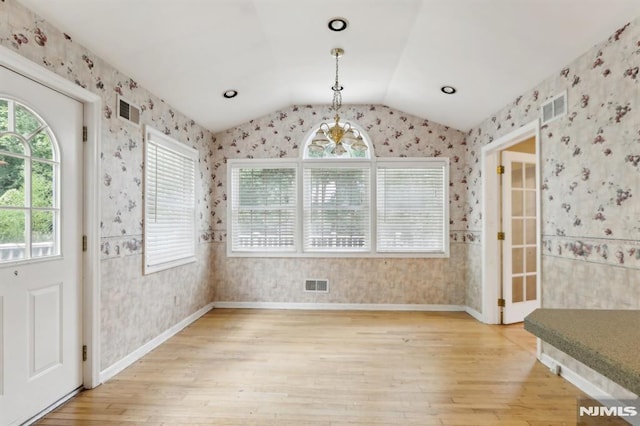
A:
[276,53]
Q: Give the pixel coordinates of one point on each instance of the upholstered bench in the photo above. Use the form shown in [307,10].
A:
[608,341]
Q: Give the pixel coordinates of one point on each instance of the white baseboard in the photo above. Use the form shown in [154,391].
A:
[134,356]
[477,315]
[574,378]
[586,386]
[340,306]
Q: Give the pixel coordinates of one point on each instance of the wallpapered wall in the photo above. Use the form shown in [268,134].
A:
[590,206]
[590,177]
[135,308]
[590,183]
[393,134]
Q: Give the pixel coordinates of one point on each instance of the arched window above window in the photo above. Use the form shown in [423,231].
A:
[352,142]
[338,201]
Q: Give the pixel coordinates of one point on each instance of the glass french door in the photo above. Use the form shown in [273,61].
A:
[520,264]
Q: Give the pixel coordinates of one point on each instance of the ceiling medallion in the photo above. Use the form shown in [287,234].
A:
[338,24]
[338,139]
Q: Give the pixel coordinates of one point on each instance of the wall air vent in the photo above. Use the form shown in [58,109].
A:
[128,111]
[316,286]
[553,108]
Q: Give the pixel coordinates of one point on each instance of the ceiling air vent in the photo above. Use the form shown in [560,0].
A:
[316,286]
[128,111]
[554,108]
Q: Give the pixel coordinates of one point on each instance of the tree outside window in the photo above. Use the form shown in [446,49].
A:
[28,170]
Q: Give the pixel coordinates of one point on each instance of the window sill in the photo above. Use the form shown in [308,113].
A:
[150,269]
[331,255]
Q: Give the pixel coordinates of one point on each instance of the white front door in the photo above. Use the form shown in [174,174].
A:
[520,288]
[41,177]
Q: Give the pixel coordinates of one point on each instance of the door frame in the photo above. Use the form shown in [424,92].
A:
[491,265]
[92,107]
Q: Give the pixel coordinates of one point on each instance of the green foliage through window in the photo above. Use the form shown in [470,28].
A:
[25,143]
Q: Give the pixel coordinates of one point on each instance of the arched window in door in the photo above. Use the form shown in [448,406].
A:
[29,185]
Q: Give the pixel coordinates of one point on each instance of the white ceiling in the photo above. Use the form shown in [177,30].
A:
[397,52]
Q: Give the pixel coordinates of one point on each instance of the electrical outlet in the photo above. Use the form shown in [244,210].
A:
[175,300]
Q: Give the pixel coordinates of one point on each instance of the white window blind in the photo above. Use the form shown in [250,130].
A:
[263,208]
[169,203]
[337,209]
[412,206]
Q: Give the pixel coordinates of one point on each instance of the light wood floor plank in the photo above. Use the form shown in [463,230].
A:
[327,368]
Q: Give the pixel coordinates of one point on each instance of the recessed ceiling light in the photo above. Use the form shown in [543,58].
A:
[231,93]
[338,24]
[449,90]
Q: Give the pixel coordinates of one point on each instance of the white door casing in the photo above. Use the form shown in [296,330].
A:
[41,299]
[92,103]
[491,213]
[520,289]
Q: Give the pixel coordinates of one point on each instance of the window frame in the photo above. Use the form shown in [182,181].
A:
[417,163]
[261,164]
[153,136]
[336,164]
[28,208]
[373,163]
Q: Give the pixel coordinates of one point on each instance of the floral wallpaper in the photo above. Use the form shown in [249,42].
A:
[590,185]
[393,134]
[590,174]
[135,308]
[590,193]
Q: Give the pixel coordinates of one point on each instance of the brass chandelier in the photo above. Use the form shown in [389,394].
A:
[337,139]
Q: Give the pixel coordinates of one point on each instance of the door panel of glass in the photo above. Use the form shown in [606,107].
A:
[519,222]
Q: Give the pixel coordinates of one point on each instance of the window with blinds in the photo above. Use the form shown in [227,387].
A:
[396,207]
[263,208]
[412,206]
[337,209]
[169,202]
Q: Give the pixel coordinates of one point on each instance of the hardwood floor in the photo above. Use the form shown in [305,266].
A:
[260,367]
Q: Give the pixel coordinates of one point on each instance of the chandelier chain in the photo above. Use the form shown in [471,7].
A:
[337,89]
[338,139]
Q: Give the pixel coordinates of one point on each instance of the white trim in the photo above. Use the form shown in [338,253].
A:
[340,306]
[334,254]
[395,163]
[475,314]
[491,218]
[52,407]
[91,220]
[273,163]
[92,205]
[134,356]
[574,378]
[580,382]
[17,62]
[168,144]
[372,164]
